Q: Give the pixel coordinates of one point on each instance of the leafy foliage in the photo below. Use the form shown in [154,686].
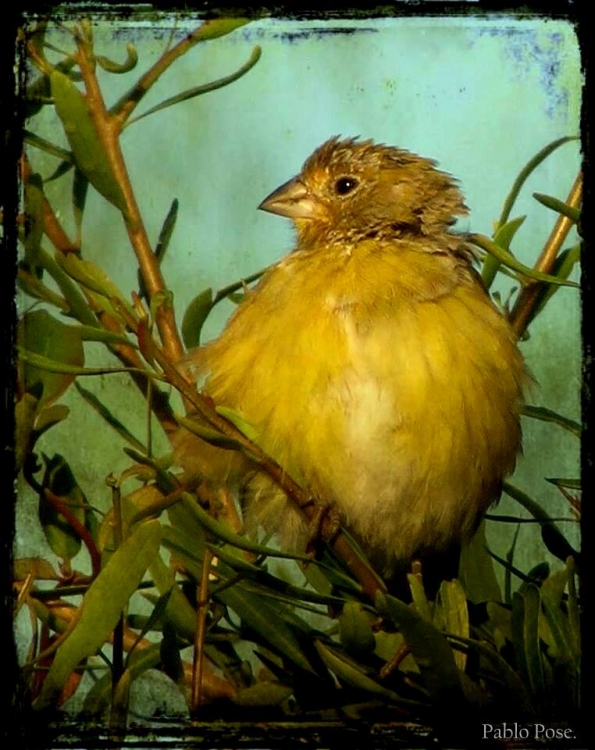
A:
[321,641]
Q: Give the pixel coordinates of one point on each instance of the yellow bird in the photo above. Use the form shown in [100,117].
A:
[370,361]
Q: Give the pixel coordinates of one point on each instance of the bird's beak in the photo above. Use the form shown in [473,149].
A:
[292,199]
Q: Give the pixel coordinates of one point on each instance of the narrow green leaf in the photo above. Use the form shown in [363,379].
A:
[419,597]
[79,307]
[351,674]
[113,67]
[30,284]
[525,173]
[97,405]
[544,414]
[34,202]
[239,421]
[80,185]
[204,88]
[98,697]
[25,412]
[476,570]
[267,621]
[178,612]
[102,605]
[51,365]
[455,615]
[194,317]
[84,140]
[167,230]
[430,649]
[566,483]
[507,259]
[156,616]
[355,629]
[558,206]
[50,148]
[502,237]
[207,433]
[526,606]
[222,532]
[552,537]
[42,336]
[515,689]
[263,694]
[90,276]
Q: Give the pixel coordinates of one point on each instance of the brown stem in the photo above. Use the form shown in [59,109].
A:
[108,130]
[79,529]
[126,105]
[202,610]
[528,298]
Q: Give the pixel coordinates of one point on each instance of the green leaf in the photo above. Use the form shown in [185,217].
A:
[223,532]
[507,259]
[87,147]
[268,621]
[526,606]
[113,67]
[350,673]
[513,687]
[50,148]
[79,307]
[41,335]
[101,607]
[194,317]
[430,649]
[548,415]
[355,629]
[107,415]
[52,366]
[34,221]
[62,539]
[476,570]
[207,433]
[204,88]
[552,537]
[263,694]
[90,276]
[98,697]
[454,615]
[25,412]
[238,420]
[502,237]
[525,173]
[419,597]
[558,206]
[80,185]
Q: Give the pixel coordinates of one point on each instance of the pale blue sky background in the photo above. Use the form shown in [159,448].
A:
[481,96]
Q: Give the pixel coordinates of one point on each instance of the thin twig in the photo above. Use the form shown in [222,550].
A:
[108,130]
[79,529]
[522,311]
[202,609]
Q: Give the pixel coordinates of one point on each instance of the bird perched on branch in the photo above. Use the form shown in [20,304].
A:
[370,361]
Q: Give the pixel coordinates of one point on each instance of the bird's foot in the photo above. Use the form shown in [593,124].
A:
[324,524]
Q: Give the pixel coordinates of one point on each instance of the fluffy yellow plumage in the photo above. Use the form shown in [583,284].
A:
[370,361]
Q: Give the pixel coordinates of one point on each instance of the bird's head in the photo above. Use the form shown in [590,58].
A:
[349,190]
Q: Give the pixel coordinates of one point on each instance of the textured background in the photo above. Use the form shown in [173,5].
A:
[481,96]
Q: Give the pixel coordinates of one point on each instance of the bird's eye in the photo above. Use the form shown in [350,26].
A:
[345,185]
